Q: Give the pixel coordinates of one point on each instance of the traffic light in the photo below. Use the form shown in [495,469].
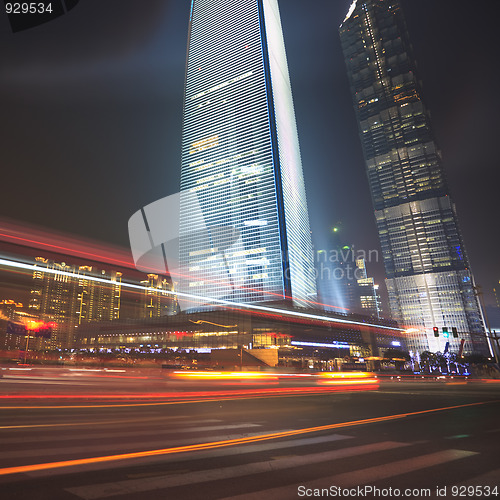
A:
[454,332]
[445,332]
[436,331]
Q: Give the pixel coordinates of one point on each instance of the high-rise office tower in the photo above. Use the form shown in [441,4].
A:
[496,292]
[368,291]
[335,272]
[428,276]
[249,241]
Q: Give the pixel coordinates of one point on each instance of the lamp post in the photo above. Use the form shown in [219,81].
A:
[478,293]
[27,345]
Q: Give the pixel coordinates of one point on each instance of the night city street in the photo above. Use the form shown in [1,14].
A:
[411,448]
[249,249]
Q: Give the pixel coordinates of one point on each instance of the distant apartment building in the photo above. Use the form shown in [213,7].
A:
[70,295]
[157,299]
[10,310]
[97,301]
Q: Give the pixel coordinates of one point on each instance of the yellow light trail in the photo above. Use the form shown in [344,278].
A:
[222,444]
[200,321]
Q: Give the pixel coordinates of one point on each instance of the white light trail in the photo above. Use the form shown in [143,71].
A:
[284,312]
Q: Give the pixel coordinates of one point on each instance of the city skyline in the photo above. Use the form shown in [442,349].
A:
[154,196]
[109,193]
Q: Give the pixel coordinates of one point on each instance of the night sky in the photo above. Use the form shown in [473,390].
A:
[91,117]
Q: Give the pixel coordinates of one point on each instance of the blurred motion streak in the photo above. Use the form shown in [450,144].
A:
[29,236]
[181,397]
[246,307]
[49,240]
[200,375]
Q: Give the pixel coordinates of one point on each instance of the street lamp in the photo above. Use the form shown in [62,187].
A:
[478,293]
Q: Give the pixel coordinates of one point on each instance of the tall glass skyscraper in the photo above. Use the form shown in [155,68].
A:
[428,276]
[244,228]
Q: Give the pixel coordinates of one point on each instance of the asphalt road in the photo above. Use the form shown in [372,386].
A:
[92,437]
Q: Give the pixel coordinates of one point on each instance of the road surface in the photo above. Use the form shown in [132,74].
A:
[105,435]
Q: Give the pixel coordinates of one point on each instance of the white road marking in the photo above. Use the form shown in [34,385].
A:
[197,455]
[105,490]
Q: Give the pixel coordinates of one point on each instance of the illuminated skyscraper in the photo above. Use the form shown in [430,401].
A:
[368,291]
[428,276]
[241,158]
[496,292]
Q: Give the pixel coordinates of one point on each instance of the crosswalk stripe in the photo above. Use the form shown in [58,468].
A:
[130,433]
[360,477]
[120,447]
[487,479]
[200,455]
[370,474]
[105,490]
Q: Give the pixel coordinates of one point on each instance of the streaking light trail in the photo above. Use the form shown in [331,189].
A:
[161,399]
[284,312]
[339,345]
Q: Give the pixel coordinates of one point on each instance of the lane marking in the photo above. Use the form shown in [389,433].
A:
[103,422]
[103,490]
[229,442]
[128,432]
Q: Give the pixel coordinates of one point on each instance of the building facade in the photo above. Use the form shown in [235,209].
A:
[428,276]
[96,301]
[157,299]
[63,294]
[249,241]
[207,331]
[369,297]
